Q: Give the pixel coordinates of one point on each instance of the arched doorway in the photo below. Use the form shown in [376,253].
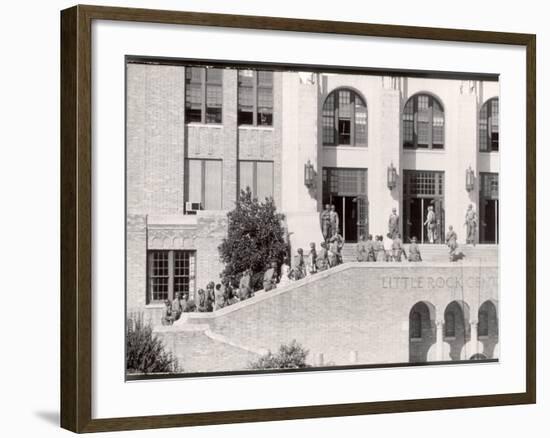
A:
[421,331]
[456,330]
[487,329]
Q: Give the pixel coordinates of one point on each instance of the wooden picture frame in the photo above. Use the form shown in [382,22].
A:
[76,217]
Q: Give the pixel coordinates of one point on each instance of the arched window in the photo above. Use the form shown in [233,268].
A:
[450,324]
[423,123]
[416,325]
[344,119]
[483,323]
[488,126]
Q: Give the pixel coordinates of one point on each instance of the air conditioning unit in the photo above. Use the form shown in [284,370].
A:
[192,207]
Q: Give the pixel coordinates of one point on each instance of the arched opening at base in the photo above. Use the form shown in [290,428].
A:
[421,331]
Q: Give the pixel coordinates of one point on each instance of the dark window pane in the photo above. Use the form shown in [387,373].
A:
[328,121]
[245,97]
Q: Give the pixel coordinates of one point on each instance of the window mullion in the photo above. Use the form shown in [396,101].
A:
[203,94]
[337,118]
[170,275]
[255,98]
[254,179]
[415,122]
[203,184]
[430,122]
[352,121]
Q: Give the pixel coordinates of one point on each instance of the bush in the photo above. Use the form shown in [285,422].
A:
[292,355]
[145,352]
[255,237]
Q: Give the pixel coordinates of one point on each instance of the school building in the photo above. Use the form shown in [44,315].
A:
[196,135]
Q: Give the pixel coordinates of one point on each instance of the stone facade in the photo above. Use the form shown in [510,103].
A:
[159,141]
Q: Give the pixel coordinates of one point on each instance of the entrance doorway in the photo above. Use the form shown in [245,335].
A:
[488,208]
[422,191]
[346,189]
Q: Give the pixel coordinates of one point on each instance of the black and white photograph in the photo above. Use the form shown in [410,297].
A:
[280,218]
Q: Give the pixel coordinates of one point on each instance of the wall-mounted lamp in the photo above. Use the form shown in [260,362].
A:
[309,174]
[392,176]
[470,179]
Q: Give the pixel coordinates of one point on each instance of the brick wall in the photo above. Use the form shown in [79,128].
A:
[358,311]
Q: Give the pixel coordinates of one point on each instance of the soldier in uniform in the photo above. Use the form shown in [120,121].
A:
[430,224]
[325,222]
[414,251]
[203,305]
[270,277]
[397,248]
[450,240]
[210,295]
[393,223]
[334,221]
[335,248]
[471,225]
[178,304]
[312,259]
[322,258]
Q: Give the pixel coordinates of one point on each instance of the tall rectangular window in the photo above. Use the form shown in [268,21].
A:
[203,94]
[258,176]
[169,272]
[204,183]
[255,96]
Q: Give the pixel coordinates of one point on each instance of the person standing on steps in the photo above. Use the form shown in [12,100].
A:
[470,221]
[325,222]
[430,224]
[393,223]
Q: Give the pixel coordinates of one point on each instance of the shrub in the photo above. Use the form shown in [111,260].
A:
[145,352]
[255,237]
[292,355]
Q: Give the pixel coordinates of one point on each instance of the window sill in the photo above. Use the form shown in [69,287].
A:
[254,128]
[449,338]
[416,340]
[205,125]
[155,306]
[344,147]
[424,150]
[489,152]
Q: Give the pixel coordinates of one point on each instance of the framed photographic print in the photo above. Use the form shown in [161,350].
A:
[339,215]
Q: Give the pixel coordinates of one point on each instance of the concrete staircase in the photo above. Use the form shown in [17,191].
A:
[437,253]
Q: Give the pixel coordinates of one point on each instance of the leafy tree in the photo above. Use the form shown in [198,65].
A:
[145,352]
[292,355]
[255,237]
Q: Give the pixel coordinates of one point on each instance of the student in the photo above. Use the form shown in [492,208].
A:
[245,289]
[203,305]
[369,245]
[270,277]
[168,315]
[219,297]
[388,245]
[361,249]
[379,251]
